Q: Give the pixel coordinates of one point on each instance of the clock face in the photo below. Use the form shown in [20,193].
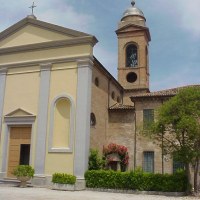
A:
[131,56]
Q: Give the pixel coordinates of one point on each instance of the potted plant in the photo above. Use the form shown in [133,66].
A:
[63,181]
[23,173]
[117,155]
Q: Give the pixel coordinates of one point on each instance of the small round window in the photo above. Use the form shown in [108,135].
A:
[92,119]
[131,77]
[96,81]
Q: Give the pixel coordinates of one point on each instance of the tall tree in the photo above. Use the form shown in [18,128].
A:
[177,129]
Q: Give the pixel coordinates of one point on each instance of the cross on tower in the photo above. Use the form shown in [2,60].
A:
[32,7]
[133,2]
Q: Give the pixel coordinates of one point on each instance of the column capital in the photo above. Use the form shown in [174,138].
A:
[45,66]
[87,62]
[3,71]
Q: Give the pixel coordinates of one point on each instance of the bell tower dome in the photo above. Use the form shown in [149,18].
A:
[133,59]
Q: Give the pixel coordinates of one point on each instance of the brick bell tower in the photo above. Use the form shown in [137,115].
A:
[133,59]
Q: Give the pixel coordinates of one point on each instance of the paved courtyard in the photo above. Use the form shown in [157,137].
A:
[10,193]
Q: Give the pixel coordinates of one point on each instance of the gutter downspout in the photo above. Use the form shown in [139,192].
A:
[135,141]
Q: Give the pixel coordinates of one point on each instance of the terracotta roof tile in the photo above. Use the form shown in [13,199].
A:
[118,106]
[163,93]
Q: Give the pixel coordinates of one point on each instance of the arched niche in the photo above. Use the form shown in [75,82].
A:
[61,124]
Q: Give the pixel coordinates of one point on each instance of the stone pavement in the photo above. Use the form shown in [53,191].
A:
[30,193]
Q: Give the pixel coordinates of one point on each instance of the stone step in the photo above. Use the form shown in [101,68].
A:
[9,182]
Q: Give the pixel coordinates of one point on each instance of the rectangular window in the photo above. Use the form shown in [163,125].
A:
[148,117]
[177,165]
[148,161]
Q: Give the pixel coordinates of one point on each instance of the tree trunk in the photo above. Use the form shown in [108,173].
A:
[187,168]
[196,170]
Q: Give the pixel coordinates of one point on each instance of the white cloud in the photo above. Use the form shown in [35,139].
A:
[189,16]
[184,13]
[62,13]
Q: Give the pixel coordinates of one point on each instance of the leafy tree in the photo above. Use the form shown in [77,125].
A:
[177,129]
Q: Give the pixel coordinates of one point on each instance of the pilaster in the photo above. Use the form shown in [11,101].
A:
[83,106]
[3,73]
[45,75]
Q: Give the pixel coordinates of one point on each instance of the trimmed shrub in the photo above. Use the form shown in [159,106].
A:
[95,162]
[136,180]
[63,178]
[23,170]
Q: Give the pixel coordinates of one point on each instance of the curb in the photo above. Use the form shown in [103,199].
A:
[174,194]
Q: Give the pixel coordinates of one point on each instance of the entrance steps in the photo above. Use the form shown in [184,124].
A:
[9,182]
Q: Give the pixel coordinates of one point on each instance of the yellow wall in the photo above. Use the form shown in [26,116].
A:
[23,84]
[63,81]
[22,91]
[61,123]
[59,162]
[30,35]
[56,53]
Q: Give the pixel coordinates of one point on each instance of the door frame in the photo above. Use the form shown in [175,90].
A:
[18,121]
[13,132]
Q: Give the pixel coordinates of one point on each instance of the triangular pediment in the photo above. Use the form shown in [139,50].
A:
[19,113]
[131,27]
[32,31]
[134,28]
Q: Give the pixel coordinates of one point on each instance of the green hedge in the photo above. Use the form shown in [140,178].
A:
[63,178]
[137,180]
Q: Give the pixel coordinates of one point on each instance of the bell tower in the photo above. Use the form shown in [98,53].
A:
[133,59]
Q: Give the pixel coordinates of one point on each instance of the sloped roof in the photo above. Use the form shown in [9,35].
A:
[107,73]
[28,20]
[162,93]
[119,106]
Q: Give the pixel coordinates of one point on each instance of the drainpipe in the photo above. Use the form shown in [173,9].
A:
[108,93]
[135,141]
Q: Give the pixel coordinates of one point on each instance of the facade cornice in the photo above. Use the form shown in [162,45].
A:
[53,44]
[39,62]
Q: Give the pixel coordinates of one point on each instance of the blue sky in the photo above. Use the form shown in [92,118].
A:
[174,26]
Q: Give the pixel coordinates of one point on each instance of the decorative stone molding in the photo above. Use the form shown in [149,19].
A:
[47,45]
[52,61]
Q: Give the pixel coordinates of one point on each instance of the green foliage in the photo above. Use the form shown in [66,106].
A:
[95,162]
[177,128]
[178,125]
[136,180]
[23,170]
[63,178]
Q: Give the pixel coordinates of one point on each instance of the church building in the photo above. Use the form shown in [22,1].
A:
[57,100]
